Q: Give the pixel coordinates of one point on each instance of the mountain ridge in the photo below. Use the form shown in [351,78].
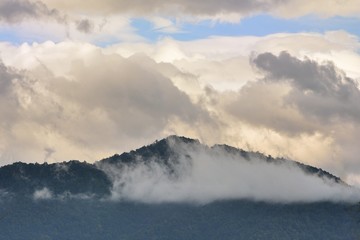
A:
[163,145]
[75,177]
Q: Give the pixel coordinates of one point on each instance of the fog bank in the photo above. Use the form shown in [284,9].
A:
[202,175]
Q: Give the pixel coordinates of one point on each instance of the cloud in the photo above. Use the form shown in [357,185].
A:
[9,78]
[202,175]
[15,11]
[323,8]
[298,99]
[4,194]
[48,153]
[321,91]
[35,21]
[85,26]
[47,194]
[297,96]
[224,10]
[153,6]
[102,102]
[98,21]
[43,194]
[141,99]
[223,62]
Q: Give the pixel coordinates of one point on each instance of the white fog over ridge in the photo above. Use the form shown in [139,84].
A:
[201,176]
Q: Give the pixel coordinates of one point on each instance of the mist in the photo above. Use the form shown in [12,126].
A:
[46,194]
[204,175]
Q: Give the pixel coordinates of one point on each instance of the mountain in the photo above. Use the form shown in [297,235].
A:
[176,188]
[73,177]
[76,177]
[166,152]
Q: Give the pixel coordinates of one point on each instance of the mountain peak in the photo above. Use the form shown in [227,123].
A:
[160,150]
[181,139]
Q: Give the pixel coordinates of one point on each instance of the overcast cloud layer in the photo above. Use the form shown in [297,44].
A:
[287,8]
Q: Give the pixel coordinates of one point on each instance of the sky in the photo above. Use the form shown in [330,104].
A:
[84,80]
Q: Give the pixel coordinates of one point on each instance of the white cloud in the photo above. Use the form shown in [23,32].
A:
[161,24]
[43,194]
[47,194]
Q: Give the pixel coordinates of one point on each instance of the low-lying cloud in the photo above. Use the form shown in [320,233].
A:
[203,176]
[43,194]
[46,194]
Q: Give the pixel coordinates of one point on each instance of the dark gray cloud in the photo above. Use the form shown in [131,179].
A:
[318,90]
[15,11]
[85,26]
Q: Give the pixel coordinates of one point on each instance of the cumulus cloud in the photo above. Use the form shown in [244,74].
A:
[301,98]
[297,96]
[142,100]
[102,102]
[202,175]
[223,62]
[322,91]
